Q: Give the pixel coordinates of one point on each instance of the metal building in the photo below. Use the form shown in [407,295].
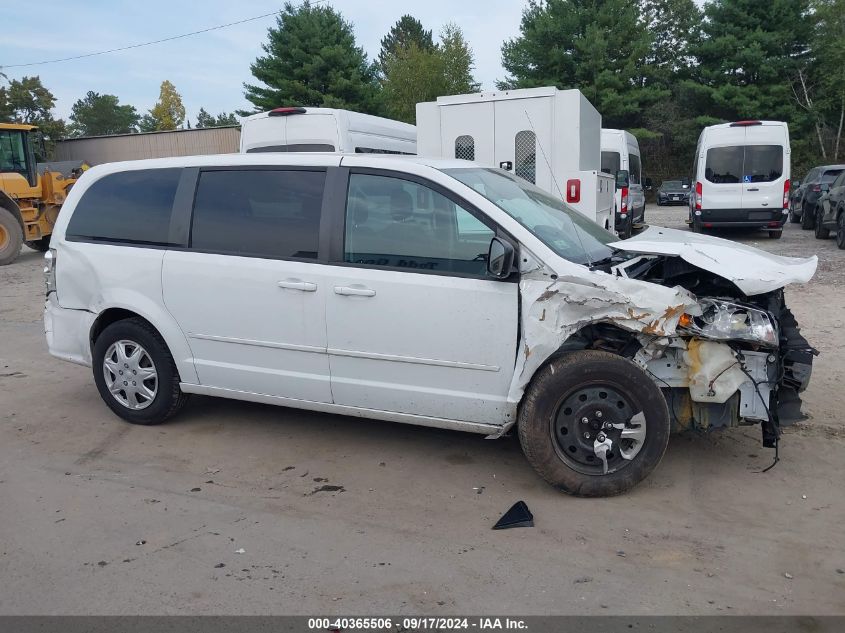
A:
[95,150]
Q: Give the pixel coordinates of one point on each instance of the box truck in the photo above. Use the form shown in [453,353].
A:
[549,137]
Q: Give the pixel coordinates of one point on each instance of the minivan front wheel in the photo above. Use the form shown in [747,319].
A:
[135,373]
[593,424]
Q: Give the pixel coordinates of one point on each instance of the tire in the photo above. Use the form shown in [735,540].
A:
[821,232]
[42,245]
[775,235]
[696,226]
[11,237]
[807,219]
[792,217]
[553,402]
[840,230]
[168,398]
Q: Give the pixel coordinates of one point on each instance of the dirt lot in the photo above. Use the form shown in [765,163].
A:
[100,517]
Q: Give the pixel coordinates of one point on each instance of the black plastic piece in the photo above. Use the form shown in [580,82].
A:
[518,516]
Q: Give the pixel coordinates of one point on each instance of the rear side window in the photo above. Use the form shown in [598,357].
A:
[130,206]
[611,162]
[260,213]
[744,163]
[635,169]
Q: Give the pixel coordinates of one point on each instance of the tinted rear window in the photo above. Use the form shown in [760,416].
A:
[262,213]
[130,206]
[830,176]
[744,163]
[610,162]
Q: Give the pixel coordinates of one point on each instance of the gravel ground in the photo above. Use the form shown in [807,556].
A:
[100,517]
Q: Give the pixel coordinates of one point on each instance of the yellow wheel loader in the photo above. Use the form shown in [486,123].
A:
[30,194]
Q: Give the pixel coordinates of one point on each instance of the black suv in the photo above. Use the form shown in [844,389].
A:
[806,194]
[674,192]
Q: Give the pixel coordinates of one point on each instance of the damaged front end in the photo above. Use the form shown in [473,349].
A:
[725,350]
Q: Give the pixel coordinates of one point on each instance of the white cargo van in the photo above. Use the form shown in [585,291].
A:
[621,152]
[742,176]
[325,130]
[547,136]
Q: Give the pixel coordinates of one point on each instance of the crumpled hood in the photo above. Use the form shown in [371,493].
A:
[752,270]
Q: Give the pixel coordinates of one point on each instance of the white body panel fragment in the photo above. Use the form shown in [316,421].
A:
[753,270]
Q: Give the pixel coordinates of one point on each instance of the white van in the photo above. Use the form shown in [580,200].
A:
[422,291]
[546,136]
[294,129]
[620,151]
[742,176]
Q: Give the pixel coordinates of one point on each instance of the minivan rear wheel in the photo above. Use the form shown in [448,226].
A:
[135,373]
[593,424]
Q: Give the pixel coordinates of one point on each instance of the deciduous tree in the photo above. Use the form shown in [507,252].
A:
[99,114]
[168,112]
[414,74]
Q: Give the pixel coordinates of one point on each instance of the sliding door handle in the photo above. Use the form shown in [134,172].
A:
[297,284]
[354,291]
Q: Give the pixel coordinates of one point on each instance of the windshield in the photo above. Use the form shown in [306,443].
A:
[673,184]
[564,230]
[12,153]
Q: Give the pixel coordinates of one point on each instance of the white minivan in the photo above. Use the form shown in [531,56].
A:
[293,129]
[620,151]
[742,177]
[423,291]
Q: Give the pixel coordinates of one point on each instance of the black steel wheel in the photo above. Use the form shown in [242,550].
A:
[593,424]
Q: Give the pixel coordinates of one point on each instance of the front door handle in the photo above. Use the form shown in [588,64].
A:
[297,284]
[354,291]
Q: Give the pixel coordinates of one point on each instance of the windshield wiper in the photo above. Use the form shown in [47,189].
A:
[618,255]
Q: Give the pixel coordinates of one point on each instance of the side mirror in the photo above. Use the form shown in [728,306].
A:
[648,184]
[622,179]
[499,259]
[796,183]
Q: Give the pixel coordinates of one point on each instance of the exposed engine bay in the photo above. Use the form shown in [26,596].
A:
[742,360]
[710,326]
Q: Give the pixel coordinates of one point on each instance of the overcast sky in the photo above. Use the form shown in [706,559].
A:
[208,69]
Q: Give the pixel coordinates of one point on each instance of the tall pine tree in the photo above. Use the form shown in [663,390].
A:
[407,31]
[598,46]
[312,60]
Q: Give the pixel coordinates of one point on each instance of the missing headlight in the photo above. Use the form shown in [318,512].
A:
[726,321]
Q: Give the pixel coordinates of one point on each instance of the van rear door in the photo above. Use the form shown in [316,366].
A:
[766,166]
[723,158]
[467,131]
[520,123]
